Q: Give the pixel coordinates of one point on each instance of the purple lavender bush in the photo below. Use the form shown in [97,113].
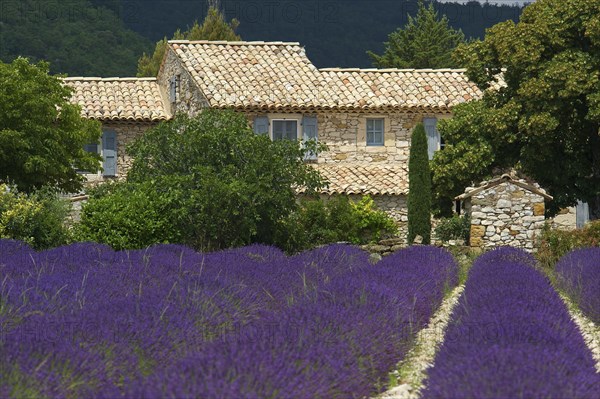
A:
[86,321]
[578,274]
[511,336]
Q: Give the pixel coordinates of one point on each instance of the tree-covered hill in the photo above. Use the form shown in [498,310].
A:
[334,32]
[75,36]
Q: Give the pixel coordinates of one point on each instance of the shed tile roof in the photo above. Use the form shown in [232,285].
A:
[118,98]
[279,75]
[364,179]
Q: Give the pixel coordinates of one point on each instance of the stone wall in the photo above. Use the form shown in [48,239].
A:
[566,219]
[189,99]
[126,133]
[344,133]
[506,214]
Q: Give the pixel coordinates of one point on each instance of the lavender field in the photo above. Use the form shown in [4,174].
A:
[86,321]
[578,274]
[511,336]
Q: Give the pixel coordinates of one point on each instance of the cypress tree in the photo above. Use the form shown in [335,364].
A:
[419,187]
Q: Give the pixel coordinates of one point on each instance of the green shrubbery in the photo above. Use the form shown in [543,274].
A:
[339,219]
[454,228]
[208,182]
[556,243]
[37,218]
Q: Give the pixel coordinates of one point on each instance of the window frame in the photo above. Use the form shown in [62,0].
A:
[272,127]
[373,143]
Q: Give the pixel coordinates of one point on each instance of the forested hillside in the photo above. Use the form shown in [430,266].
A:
[334,32]
[107,37]
[73,35]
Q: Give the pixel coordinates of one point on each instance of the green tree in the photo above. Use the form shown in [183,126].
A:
[42,133]
[214,27]
[544,120]
[225,185]
[419,187]
[425,42]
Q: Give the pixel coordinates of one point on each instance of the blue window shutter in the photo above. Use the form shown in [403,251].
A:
[261,125]
[310,132]
[582,214]
[433,136]
[109,153]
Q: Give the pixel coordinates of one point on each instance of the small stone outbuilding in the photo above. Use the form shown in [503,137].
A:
[505,211]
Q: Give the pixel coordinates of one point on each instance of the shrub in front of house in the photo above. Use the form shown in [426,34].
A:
[453,228]
[556,243]
[37,218]
[208,182]
[338,219]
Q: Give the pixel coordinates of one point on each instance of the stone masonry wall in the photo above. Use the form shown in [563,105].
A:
[190,99]
[505,214]
[345,135]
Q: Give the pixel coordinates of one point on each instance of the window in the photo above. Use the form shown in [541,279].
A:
[107,148]
[375,131]
[434,141]
[173,88]
[285,129]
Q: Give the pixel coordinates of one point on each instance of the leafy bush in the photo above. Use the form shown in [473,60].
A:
[208,182]
[454,228]
[131,215]
[557,243]
[339,219]
[37,218]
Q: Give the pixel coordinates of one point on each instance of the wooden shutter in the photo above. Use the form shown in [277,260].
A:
[582,214]
[91,148]
[261,125]
[310,132]
[433,136]
[109,153]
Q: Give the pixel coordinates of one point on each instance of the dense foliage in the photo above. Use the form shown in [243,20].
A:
[578,275]
[74,36]
[419,187]
[42,134]
[169,322]
[426,41]
[37,218]
[511,336]
[208,182]
[214,27]
[453,228]
[339,219]
[556,243]
[545,120]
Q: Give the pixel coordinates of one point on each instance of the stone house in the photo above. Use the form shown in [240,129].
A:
[364,116]
[505,211]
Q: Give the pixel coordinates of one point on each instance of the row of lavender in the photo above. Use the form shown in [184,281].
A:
[578,275]
[85,321]
[511,336]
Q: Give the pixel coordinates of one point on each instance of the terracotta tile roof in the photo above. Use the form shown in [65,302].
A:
[278,75]
[118,98]
[399,88]
[264,75]
[364,179]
